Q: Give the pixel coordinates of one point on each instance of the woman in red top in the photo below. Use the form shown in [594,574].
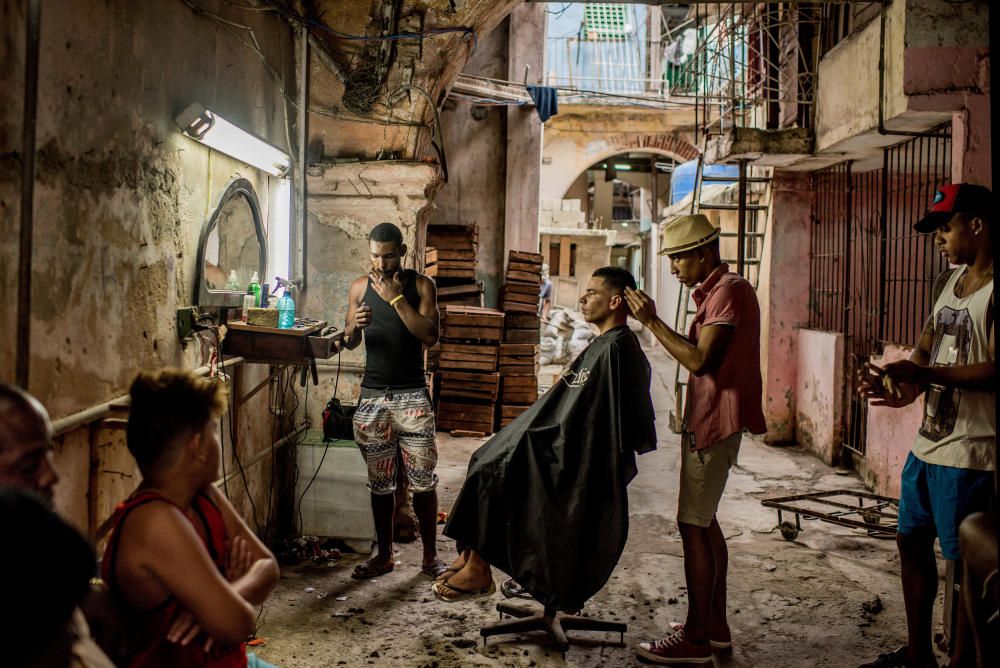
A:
[180,560]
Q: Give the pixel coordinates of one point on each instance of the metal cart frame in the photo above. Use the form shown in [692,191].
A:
[878,518]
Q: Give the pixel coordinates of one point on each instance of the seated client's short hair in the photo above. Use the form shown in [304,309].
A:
[168,404]
[385,233]
[616,277]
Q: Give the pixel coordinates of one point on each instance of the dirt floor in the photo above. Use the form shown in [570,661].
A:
[799,603]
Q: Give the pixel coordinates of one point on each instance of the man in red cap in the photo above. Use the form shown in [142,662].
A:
[949,473]
[722,354]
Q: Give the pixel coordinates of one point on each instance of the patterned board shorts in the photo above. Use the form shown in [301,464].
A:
[387,422]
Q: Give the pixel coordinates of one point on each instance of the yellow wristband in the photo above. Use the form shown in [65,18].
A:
[395,299]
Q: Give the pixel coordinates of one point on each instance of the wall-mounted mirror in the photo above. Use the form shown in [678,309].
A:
[231,248]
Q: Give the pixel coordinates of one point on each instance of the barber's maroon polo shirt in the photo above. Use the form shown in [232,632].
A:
[729,399]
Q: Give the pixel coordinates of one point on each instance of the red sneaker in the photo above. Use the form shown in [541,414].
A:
[675,648]
[723,644]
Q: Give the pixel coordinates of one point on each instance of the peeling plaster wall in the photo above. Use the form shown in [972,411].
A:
[890,435]
[819,393]
[345,202]
[477,161]
[937,69]
[121,197]
[435,62]
[783,291]
[852,66]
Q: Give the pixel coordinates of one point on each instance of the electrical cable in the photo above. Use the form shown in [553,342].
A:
[326,448]
[666,104]
[439,145]
[294,16]
[239,462]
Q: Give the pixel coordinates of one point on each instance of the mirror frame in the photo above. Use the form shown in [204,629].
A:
[202,295]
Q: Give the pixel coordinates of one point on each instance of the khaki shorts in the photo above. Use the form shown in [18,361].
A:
[703,478]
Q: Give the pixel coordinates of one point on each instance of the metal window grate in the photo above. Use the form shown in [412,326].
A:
[917,168]
[605,21]
[871,274]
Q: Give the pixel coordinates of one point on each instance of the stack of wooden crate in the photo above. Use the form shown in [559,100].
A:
[519,351]
[518,379]
[468,380]
[523,282]
[450,258]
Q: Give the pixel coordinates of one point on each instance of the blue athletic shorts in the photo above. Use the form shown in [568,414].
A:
[939,497]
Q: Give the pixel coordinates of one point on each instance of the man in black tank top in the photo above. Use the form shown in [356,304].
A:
[395,312]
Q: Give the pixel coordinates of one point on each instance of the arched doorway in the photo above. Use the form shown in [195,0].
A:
[607,215]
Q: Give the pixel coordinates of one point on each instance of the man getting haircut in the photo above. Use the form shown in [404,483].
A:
[545,500]
[180,559]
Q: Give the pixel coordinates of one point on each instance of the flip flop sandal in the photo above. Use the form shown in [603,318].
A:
[511,589]
[367,571]
[463,594]
[437,570]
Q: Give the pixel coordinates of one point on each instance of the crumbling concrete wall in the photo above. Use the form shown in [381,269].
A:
[890,435]
[121,197]
[937,70]
[783,291]
[345,201]
[476,140]
[819,393]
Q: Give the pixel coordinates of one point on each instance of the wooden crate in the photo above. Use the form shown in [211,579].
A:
[521,336]
[469,323]
[470,385]
[522,321]
[526,257]
[520,299]
[519,350]
[523,277]
[438,255]
[519,369]
[452,237]
[448,292]
[510,412]
[437,271]
[470,357]
[465,416]
[519,390]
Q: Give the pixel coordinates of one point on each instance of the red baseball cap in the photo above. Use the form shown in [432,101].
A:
[955,198]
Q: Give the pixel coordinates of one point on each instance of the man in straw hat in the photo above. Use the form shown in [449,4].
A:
[722,353]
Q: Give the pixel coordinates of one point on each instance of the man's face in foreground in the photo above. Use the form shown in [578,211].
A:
[599,301]
[26,449]
[386,257]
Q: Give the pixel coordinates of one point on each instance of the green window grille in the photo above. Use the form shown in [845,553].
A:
[603,21]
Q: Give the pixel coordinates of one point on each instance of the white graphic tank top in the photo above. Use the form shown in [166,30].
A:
[959,426]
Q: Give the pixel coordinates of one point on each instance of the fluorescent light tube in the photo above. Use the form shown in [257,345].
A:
[209,128]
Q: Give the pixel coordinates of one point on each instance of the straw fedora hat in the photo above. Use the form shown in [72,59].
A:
[688,233]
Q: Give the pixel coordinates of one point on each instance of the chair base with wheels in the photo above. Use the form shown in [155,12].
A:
[553,623]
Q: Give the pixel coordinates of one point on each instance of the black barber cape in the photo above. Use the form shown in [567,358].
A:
[545,499]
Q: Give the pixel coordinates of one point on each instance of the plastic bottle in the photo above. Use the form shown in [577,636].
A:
[233,282]
[247,305]
[254,288]
[286,310]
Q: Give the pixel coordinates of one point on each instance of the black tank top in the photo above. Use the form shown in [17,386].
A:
[394,358]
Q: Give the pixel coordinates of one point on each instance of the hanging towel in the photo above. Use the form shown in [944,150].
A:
[546,101]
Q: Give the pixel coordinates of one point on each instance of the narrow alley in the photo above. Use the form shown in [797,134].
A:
[445,333]
[807,602]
